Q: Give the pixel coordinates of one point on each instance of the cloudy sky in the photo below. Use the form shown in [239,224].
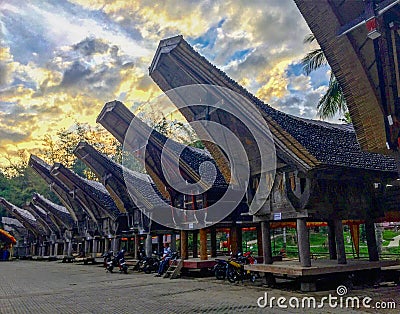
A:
[60,61]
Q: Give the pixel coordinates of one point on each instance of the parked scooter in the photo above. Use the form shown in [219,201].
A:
[220,269]
[139,264]
[236,272]
[119,261]
[108,258]
[110,261]
[151,263]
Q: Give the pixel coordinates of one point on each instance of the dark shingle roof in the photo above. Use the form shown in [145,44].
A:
[25,217]
[189,156]
[43,169]
[99,196]
[60,212]
[41,214]
[137,181]
[330,144]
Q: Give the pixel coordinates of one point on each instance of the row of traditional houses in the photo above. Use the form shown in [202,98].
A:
[319,174]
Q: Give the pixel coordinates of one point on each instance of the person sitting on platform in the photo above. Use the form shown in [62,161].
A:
[164,259]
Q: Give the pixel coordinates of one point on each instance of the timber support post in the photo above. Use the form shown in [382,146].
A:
[373,253]
[160,239]
[213,236]
[195,243]
[239,239]
[69,253]
[259,240]
[136,246]
[341,251]
[203,244]
[331,240]
[184,244]
[303,242]
[266,242]
[149,245]
[233,237]
[173,241]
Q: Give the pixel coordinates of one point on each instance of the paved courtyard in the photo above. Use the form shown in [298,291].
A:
[53,287]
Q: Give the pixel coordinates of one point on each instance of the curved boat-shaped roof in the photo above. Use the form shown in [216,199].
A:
[48,222]
[25,217]
[115,175]
[59,214]
[360,40]
[119,120]
[315,144]
[43,169]
[14,224]
[92,194]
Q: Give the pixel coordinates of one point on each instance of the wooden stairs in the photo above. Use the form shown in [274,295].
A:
[174,269]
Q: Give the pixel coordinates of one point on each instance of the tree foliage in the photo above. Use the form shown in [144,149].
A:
[18,181]
[333,102]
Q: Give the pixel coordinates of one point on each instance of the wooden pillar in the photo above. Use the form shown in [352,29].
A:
[184,244]
[149,245]
[173,241]
[331,240]
[203,244]
[213,236]
[94,250]
[160,246]
[233,240]
[136,246]
[65,248]
[303,242]
[266,242]
[239,239]
[55,249]
[373,253]
[341,252]
[51,253]
[259,240]
[69,252]
[195,234]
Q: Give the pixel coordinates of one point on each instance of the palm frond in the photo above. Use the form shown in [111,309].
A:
[309,39]
[313,60]
[333,101]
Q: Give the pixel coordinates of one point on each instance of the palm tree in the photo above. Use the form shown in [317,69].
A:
[333,101]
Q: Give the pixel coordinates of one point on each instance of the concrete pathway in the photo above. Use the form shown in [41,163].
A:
[53,287]
[394,242]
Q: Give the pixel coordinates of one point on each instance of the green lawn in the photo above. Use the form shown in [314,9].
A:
[318,243]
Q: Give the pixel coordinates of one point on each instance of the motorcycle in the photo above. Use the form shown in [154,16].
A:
[108,258]
[235,269]
[110,262]
[151,263]
[139,264]
[119,260]
[220,269]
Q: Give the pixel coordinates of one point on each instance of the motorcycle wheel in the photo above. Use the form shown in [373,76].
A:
[232,275]
[147,270]
[253,277]
[220,274]
[125,269]
[110,269]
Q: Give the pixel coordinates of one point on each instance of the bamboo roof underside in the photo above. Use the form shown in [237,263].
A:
[307,143]
[354,62]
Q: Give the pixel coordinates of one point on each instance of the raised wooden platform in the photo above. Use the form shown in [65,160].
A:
[197,263]
[319,267]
